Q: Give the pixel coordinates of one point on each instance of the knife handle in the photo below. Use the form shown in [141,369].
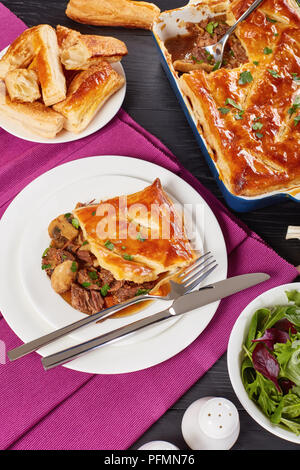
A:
[37,343]
[66,355]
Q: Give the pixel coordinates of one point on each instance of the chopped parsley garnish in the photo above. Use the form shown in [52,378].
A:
[75,223]
[68,215]
[140,238]
[142,291]
[231,52]
[85,243]
[259,135]
[211,27]
[245,77]
[104,290]
[109,245]
[197,61]
[255,62]
[93,275]
[123,247]
[46,266]
[296,120]
[64,257]
[295,77]
[276,34]
[127,257]
[274,73]
[93,213]
[257,126]
[267,50]
[45,253]
[217,65]
[233,103]
[86,284]
[74,267]
[239,115]
[208,55]
[295,106]
[224,110]
[271,20]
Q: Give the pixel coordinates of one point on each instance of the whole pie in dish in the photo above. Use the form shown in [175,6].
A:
[248,110]
[104,253]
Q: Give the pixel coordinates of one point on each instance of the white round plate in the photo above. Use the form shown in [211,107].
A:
[32,308]
[275,296]
[104,115]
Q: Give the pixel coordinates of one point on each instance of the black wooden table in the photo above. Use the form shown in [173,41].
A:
[151,102]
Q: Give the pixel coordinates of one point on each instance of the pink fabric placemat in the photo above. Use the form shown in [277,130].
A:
[64,409]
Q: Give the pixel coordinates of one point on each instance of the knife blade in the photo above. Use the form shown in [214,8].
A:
[184,304]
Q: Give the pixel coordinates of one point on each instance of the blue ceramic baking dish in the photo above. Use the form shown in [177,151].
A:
[169,24]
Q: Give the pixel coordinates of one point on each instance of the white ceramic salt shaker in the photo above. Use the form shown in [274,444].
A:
[158,445]
[211,423]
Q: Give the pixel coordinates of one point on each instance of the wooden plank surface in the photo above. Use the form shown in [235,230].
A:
[151,102]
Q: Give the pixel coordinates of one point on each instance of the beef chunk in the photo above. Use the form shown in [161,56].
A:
[89,279]
[53,257]
[87,301]
[86,256]
[106,277]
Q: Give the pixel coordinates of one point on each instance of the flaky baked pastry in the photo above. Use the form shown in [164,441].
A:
[35,116]
[141,244]
[79,51]
[21,52]
[249,115]
[23,85]
[126,13]
[87,93]
[48,65]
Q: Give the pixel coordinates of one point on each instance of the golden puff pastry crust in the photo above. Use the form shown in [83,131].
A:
[131,241]
[79,51]
[22,85]
[87,93]
[33,116]
[126,13]
[21,52]
[48,66]
[249,115]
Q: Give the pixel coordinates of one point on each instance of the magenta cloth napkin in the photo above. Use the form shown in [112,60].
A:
[64,409]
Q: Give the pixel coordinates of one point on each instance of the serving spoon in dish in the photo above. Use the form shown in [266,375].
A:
[186,281]
[217,50]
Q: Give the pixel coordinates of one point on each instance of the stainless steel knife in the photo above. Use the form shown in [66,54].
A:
[184,304]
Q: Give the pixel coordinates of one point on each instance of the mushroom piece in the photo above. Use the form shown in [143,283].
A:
[63,276]
[61,227]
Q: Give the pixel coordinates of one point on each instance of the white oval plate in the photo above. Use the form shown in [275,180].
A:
[27,300]
[275,296]
[104,115]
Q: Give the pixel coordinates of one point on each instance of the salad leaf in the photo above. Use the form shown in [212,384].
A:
[294,296]
[270,369]
[259,318]
[288,357]
[265,363]
[272,336]
[285,325]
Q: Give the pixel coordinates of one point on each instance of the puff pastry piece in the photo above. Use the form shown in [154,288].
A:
[151,248]
[48,65]
[23,85]
[88,92]
[34,116]
[77,51]
[21,52]
[127,13]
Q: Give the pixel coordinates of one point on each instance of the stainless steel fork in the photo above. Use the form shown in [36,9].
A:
[217,50]
[189,279]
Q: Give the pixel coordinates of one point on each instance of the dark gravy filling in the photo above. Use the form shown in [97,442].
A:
[188,53]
